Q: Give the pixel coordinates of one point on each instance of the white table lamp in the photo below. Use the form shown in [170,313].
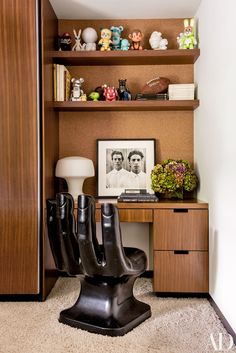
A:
[75,170]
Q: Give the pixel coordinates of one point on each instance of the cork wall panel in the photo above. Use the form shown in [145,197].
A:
[173,130]
[136,75]
[78,132]
[170,28]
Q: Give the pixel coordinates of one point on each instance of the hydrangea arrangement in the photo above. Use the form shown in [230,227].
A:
[173,177]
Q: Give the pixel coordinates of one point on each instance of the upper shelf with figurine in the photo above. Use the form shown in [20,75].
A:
[129,57]
[112,49]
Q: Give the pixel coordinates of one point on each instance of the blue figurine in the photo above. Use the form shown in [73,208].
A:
[125,44]
[116,37]
[123,92]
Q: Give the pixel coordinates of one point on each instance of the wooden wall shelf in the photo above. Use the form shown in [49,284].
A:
[150,105]
[129,57]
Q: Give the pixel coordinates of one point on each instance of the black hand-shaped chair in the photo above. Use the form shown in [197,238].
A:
[106,304]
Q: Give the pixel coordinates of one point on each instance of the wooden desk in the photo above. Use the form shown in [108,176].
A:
[180,241]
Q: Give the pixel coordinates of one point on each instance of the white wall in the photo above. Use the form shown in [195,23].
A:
[215,144]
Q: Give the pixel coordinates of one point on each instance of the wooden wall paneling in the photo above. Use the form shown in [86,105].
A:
[18,149]
[50,136]
[50,122]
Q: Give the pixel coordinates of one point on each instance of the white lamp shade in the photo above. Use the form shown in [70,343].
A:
[75,170]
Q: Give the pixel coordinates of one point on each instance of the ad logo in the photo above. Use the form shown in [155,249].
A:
[218,343]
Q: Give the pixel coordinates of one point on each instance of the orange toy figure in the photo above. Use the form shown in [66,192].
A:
[136,36]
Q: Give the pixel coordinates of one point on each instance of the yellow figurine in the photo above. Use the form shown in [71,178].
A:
[105,40]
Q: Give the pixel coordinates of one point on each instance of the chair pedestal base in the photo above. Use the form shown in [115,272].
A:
[106,306]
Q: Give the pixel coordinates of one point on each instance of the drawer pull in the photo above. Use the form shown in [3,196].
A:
[181,210]
[181,252]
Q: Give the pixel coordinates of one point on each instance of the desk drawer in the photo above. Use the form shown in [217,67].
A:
[131,215]
[176,271]
[180,229]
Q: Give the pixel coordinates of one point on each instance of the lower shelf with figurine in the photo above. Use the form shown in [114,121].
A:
[136,105]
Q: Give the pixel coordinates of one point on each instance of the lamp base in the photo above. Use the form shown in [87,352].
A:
[75,186]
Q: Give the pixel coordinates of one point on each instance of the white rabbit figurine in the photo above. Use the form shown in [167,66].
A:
[77,46]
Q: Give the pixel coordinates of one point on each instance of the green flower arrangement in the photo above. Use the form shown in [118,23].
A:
[173,177]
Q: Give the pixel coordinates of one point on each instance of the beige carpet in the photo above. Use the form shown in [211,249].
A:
[176,326]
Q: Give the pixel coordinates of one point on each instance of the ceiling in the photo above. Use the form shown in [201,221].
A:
[124,9]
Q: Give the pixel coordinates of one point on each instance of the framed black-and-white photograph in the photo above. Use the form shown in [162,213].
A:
[124,164]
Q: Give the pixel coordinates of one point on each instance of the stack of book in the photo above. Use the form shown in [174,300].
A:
[150,96]
[137,196]
[181,91]
[62,83]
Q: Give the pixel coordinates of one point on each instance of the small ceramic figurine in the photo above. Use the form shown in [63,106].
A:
[77,92]
[157,42]
[77,46]
[110,93]
[136,36]
[94,96]
[89,36]
[123,93]
[65,42]
[187,39]
[116,37]
[105,40]
[124,45]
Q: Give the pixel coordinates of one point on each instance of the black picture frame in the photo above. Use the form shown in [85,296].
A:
[112,183]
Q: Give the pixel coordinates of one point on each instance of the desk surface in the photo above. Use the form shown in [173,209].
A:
[144,212]
[193,203]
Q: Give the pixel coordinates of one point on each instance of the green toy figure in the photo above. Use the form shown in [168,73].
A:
[187,39]
[94,96]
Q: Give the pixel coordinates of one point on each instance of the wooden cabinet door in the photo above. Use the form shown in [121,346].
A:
[181,229]
[19,257]
[181,272]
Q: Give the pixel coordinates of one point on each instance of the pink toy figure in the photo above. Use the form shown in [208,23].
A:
[110,93]
[136,36]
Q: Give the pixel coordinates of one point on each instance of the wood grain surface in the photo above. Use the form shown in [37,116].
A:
[18,149]
[181,272]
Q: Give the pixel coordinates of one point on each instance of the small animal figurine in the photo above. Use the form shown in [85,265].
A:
[76,91]
[157,42]
[110,93]
[94,96]
[105,40]
[123,93]
[187,39]
[89,36]
[116,37]
[65,42]
[77,46]
[125,44]
[136,36]
[100,90]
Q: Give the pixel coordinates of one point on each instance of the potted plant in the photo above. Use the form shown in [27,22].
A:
[173,177]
